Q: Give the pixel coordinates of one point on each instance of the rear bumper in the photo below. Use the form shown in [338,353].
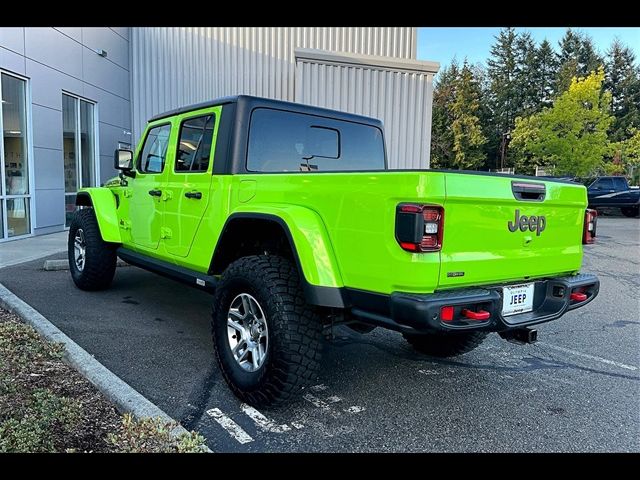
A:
[421,312]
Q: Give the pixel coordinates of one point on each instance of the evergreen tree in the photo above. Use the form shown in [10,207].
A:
[503,88]
[468,138]
[623,81]
[444,92]
[546,70]
[526,72]
[577,58]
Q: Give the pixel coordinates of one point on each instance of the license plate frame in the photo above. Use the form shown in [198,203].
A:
[521,294]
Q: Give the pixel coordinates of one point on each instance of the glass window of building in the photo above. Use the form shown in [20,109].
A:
[78,147]
[14,170]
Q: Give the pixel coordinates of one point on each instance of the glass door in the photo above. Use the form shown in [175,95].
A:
[79,149]
[15,197]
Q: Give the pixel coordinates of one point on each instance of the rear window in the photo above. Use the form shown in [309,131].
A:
[281,141]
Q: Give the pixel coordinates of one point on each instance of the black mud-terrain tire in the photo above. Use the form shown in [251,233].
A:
[630,211]
[100,256]
[294,346]
[446,344]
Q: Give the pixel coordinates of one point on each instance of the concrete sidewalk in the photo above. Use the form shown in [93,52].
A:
[32,248]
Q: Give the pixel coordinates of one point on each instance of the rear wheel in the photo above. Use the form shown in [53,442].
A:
[630,211]
[92,261]
[267,339]
[445,344]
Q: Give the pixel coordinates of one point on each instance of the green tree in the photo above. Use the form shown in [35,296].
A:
[526,71]
[623,81]
[626,154]
[571,136]
[442,117]
[577,58]
[503,85]
[545,72]
[468,138]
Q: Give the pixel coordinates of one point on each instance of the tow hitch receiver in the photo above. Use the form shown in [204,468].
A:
[520,335]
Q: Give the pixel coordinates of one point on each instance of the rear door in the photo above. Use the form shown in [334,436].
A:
[189,179]
[501,229]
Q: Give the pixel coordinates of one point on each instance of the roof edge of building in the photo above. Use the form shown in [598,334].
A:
[353,59]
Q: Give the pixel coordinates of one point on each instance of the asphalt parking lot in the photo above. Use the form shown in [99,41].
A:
[577,389]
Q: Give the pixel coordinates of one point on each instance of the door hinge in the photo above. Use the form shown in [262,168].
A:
[167,195]
[125,224]
[165,232]
[126,193]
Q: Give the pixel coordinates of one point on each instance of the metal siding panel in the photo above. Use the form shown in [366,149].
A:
[175,66]
[399,99]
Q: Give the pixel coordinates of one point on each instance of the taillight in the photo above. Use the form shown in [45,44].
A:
[589,228]
[419,227]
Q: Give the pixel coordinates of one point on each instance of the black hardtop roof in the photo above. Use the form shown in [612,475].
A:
[253,101]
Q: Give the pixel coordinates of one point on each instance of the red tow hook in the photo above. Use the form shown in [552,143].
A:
[578,297]
[481,315]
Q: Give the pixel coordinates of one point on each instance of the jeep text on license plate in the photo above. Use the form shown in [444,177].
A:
[517,299]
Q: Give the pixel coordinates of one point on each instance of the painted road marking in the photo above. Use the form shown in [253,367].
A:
[263,422]
[315,401]
[591,357]
[334,399]
[230,426]
[297,425]
[355,409]
[319,388]
[429,372]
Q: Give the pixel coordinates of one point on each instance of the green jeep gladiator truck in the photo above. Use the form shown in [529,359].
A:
[289,215]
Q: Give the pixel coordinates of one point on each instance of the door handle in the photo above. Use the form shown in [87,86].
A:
[196,195]
[155,193]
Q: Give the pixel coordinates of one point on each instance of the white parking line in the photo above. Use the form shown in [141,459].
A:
[230,426]
[334,399]
[263,422]
[355,409]
[315,401]
[591,357]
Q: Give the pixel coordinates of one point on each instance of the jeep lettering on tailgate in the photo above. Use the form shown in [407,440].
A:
[537,223]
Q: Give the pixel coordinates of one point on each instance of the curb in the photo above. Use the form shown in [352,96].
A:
[125,397]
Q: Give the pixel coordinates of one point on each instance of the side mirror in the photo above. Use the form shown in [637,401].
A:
[123,160]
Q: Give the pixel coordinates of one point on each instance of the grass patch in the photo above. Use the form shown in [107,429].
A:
[46,406]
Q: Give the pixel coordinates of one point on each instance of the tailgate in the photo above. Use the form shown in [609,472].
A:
[500,229]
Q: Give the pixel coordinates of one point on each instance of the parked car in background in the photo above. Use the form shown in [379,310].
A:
[613,192]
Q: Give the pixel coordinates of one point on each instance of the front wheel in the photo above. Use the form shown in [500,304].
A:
[630,211]
[266,338]
[445,344]
[92,261]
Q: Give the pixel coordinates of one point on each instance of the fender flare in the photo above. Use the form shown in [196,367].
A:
[103,202]
[311,247]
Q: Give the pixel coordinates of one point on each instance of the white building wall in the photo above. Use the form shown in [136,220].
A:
[178,66]
[398,92]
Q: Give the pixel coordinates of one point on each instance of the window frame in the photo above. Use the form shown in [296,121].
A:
[211,149]
[78,150]
[29,197]
[143,143]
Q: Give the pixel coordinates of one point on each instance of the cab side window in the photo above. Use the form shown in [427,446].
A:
[604,184]
[194,146]
[154,152]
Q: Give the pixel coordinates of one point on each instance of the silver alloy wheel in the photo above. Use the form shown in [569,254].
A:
[247,332]
[79,249]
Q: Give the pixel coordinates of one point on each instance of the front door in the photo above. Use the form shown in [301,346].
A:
[189,179]
[146,190]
